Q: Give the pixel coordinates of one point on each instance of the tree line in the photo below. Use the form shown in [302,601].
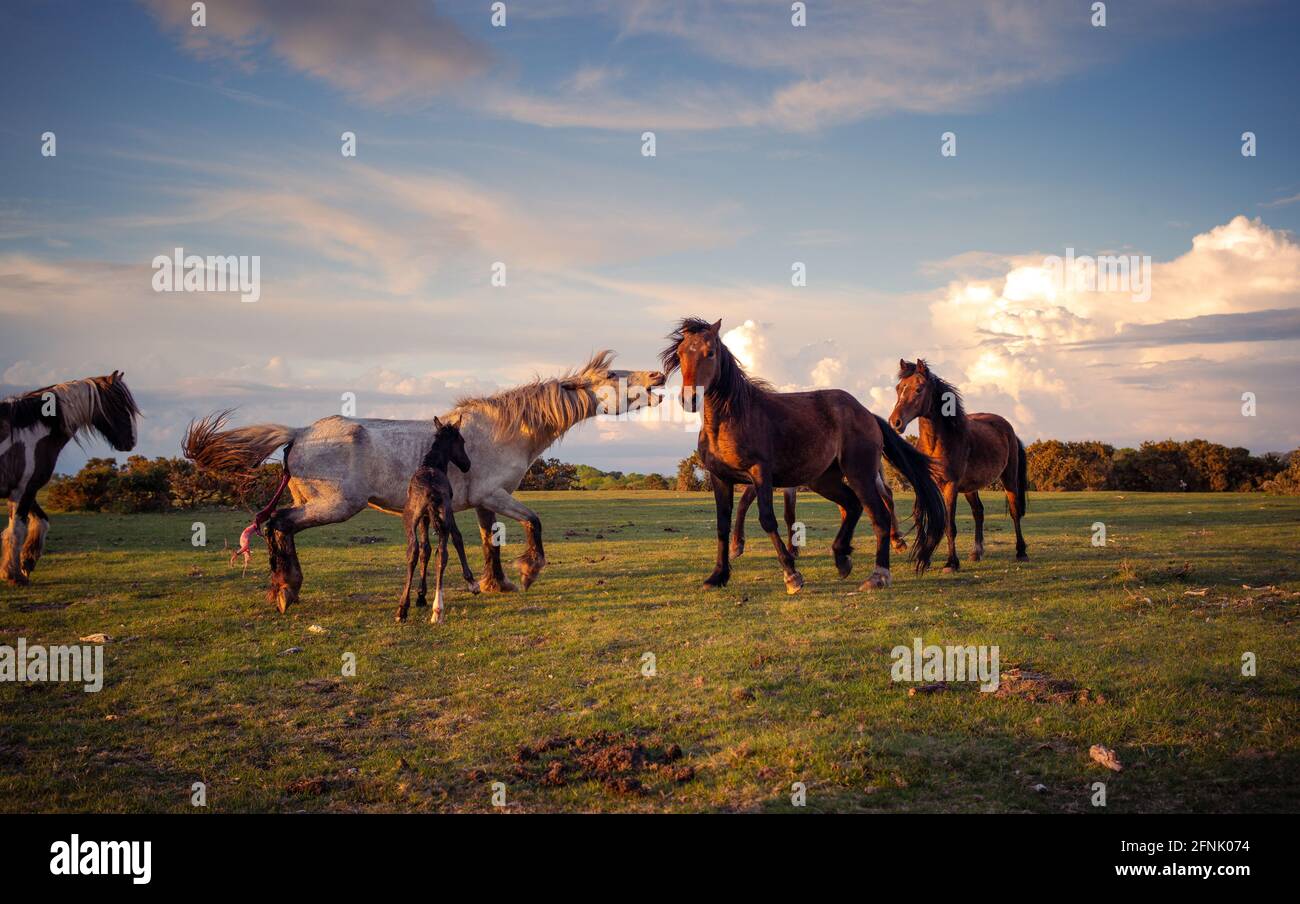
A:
[170,484]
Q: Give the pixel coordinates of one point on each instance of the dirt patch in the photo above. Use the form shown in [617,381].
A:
[615,760]
[1038,687]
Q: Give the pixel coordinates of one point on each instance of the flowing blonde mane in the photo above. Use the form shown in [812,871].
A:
[542,409]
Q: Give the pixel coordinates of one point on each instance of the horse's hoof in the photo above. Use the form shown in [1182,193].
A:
[793,583]
[879,580]
[900,545]
[436,618]
[421,602]
[737,550]
[472,586]
[491,585]
[951,568]
[401,617]
[18,580]
[29,565]
[1022,557]
[717,579]
[844,566]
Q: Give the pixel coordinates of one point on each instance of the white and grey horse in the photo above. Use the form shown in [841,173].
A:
[338,466]
[34,428]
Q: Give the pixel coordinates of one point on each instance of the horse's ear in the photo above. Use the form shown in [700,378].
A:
[437,424]
[920,366]
[902,365]
[717,326]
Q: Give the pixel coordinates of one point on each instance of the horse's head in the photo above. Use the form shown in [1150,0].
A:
[913,393]
[616,391]
[697,351]
[115,412]
[448,446]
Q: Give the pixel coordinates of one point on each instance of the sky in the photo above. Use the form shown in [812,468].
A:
[774,146]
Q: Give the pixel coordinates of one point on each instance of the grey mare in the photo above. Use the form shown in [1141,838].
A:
[339,466]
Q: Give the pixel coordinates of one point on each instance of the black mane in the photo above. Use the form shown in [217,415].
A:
[733,390]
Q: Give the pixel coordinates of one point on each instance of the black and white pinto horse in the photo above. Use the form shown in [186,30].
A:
[34,428]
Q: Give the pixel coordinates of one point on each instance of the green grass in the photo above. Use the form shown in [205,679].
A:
[759,689]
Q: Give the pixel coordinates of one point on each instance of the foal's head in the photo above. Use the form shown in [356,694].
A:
[448,446]
[922,393]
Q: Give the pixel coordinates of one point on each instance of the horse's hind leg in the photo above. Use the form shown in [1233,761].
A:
[831,485]
[286,574]
[767,519]
[977,511]
[1011,481]
[38,525]
[494,578]
[895,535]
[862,477]
[421,599]
[11,544]
[738,532]
[412,554]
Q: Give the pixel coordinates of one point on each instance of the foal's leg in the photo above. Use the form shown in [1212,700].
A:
[412,554]
[470,583]
[724,493]
[767,519]
[494,579]
[11,543]
[790,494]
[442,566]
[738,533]
[977,510]
[425,550]
[949,491]
[38,525]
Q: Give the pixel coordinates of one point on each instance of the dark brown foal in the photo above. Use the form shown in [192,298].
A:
[428,501]
[825,440]
[971,451]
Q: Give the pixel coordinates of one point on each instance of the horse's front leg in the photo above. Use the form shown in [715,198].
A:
[950,503]
[11,546]
[791,495]
[425,551]
[532,562]
[38,525]
[767,518]
[494,578]
[724,494]
[470,584]
[412,556]
[738,532]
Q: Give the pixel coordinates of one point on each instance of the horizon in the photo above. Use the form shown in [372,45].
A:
[781,152]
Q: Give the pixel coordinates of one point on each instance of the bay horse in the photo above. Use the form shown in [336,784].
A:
[790,497]
[34,428]
[429,501]
[824,439]
[341,465]
[971,451]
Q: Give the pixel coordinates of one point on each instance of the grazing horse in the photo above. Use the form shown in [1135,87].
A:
[971,451]
[34,428]
[790,495]
[428,501]
[825,440]
[341,465]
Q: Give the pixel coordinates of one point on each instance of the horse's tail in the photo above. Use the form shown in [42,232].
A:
[929,512]
[1022,479]
[236,451]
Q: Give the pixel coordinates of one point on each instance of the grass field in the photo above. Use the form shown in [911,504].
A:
[759,690]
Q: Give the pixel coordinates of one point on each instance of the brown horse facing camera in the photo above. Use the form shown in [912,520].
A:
[971,451]
[824,439]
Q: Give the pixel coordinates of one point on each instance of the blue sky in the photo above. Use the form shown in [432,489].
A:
[774,145]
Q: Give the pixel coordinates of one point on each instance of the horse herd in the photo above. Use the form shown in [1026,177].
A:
[750,435]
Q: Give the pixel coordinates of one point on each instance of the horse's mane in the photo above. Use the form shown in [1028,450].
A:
[733,390]
[76,403]
[938,387]
[544,408]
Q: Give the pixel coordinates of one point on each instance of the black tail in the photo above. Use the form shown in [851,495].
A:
[929,514]
[1022,479]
